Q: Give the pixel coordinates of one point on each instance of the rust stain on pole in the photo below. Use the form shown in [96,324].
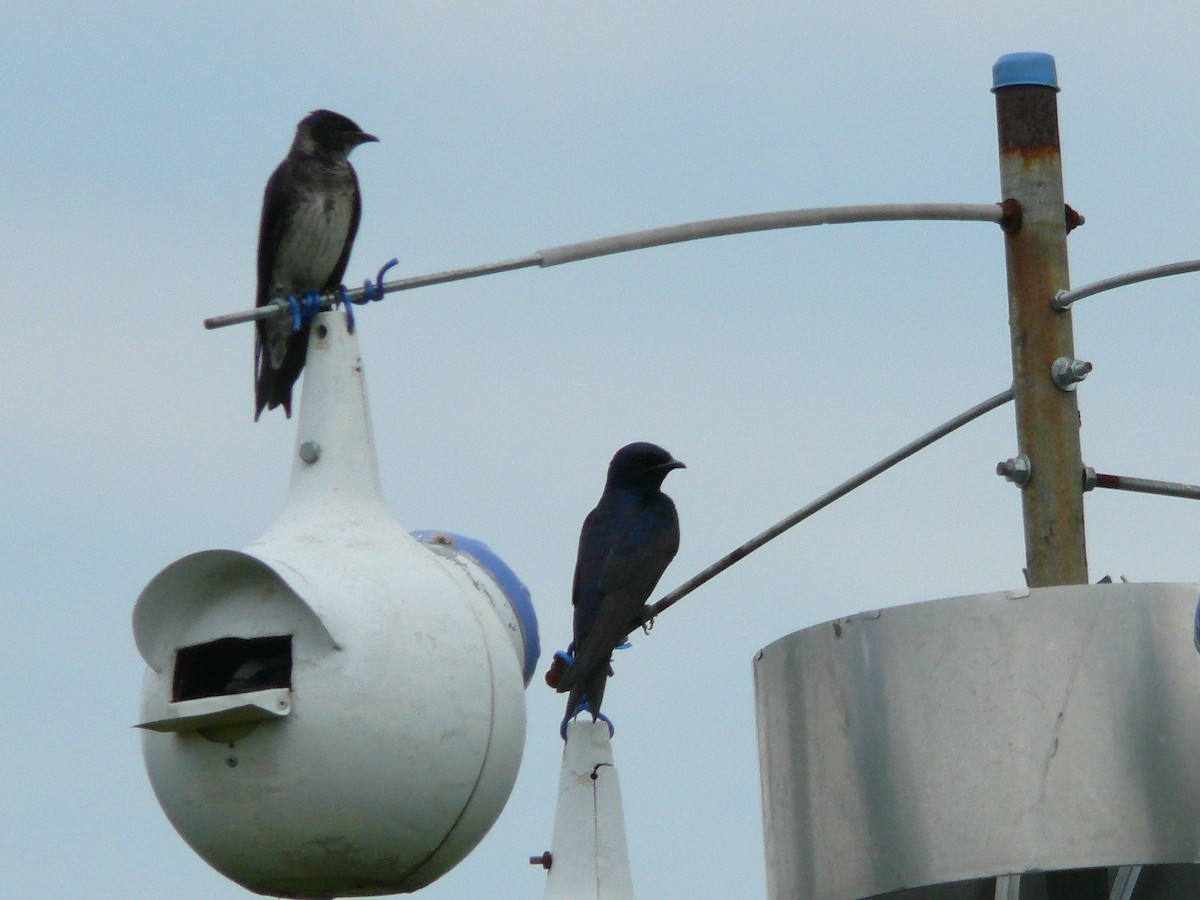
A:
[1036,258]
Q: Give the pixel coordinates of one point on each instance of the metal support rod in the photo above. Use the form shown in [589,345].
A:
[1125,882]
[825,499]
[656,237]
[1063,299]
[1141,485]
[403,284]
[1025,85]
[1008,887]
[791,218]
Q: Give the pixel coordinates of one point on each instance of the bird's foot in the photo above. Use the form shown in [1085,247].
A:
[645,619]
[596,716]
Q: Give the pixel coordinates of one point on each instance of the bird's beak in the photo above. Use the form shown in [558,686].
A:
[671,464]
[365,138]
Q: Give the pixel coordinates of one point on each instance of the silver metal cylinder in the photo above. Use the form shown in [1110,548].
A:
[964,739]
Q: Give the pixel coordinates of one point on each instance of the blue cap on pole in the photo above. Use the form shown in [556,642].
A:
[1024,68]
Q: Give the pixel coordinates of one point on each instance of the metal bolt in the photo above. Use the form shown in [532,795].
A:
[1073,218]
[1018,470]
[1089,479]
[1066,372]
[545,860]
[310,452]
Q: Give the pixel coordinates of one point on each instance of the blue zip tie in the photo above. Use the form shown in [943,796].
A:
[566,656]
[378,295]
[370,292]
[304,309]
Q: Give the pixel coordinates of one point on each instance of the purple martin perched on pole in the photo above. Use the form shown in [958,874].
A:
[626,543]
[310,215]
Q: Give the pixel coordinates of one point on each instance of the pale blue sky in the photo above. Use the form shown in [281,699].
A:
[137,142]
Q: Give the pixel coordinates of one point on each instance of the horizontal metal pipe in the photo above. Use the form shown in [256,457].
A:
[655,237]
[389,287]
[827,498]
[791,218]
[1148,486]
[1063,299]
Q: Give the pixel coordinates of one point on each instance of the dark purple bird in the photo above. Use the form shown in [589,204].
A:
[310,215]
[626,543]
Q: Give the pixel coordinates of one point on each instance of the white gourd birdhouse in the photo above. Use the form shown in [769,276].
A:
[337,710]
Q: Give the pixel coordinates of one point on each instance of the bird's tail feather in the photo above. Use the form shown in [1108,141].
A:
[270,391]
[273,386]
[594,652]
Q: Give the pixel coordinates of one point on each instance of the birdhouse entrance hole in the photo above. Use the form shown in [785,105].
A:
[232,666]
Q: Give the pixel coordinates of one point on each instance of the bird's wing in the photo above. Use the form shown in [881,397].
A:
[278,207]
[273,386]
[600,529]
[633,564]
[643,552]
[339,269]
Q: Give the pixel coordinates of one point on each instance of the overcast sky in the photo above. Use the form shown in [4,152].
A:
[136,144]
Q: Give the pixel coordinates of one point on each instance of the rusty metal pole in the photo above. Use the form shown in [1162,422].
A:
[1036,225]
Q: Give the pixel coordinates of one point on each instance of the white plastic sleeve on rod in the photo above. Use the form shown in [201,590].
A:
[792,218]
[656,237]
